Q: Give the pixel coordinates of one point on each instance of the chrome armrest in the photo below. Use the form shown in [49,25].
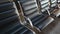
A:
[48,12]
[28,21]
[30,26]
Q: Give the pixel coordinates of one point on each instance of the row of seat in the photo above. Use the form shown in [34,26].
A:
[10,23]
[49,5]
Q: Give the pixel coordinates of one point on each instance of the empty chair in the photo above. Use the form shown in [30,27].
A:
[54,7]
[30,10]
[53,4]
[44,5]
[9,22]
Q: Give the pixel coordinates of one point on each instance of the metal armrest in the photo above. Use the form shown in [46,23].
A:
[29,21]
[30,26]
[48,12]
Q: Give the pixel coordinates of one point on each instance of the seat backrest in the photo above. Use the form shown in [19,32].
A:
[7,12]
[30,8]
[2,1]
[44,5]
[9,22]
[53,3]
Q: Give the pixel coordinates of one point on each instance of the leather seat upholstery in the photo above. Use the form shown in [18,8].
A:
[31,11]
[9,22]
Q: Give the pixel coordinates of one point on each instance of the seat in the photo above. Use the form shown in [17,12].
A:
[53,3]
[44,5]
[54,8]
[30,10]
[9,22]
